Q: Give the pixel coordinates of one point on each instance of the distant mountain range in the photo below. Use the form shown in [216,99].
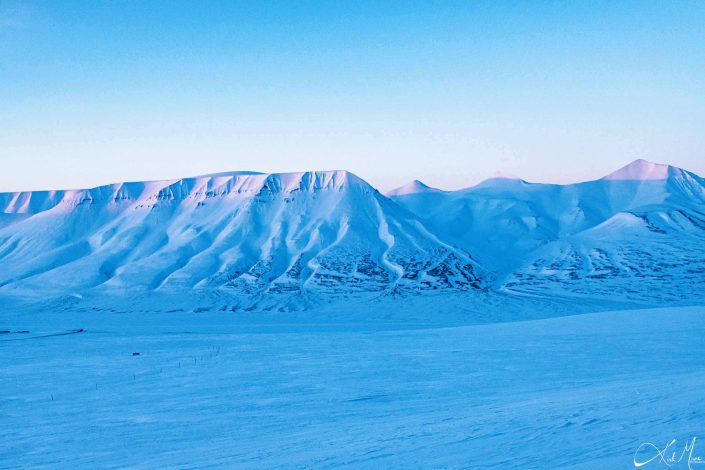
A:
[637,234]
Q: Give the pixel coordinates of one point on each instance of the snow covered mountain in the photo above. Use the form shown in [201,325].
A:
[243,233]
[637,234]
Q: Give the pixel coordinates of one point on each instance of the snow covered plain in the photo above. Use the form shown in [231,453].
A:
[280,390]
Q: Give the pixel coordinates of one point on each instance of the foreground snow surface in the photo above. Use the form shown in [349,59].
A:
[272,390]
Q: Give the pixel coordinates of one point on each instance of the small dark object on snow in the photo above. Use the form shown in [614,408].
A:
[135,354]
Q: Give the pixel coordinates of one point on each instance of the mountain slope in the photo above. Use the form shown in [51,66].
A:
[241,233]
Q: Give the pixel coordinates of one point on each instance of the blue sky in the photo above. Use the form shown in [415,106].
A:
[449,92]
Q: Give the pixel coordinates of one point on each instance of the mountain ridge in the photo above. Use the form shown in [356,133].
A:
[228,182]
[313,234]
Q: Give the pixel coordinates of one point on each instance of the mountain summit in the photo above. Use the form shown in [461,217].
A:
[413,187]
[642,170]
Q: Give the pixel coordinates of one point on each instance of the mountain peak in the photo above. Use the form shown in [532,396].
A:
[413,187]
[499,175]
[641,170]
[499,179]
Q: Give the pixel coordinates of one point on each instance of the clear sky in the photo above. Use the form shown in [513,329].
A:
[446,91]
